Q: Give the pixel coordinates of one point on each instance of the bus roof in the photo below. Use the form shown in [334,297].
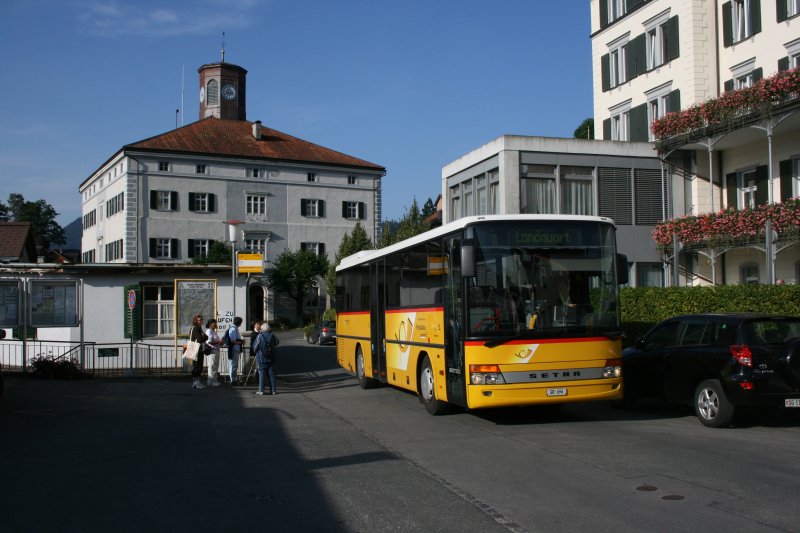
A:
[369,255]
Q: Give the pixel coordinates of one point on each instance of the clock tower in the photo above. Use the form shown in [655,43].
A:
[222,91]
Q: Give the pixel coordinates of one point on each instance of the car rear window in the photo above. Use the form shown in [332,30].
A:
[771,331]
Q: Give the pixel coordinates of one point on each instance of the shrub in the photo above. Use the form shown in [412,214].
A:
[329,314]
[49,367]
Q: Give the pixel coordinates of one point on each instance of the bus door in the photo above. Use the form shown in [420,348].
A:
[378,318]
[454,324]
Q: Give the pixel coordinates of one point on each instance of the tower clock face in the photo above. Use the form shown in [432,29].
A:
[202,94]
[228,92]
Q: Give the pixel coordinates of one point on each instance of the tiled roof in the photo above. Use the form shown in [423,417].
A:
[234,138]
[15,239]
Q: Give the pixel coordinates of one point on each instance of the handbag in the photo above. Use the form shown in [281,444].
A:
[192,349]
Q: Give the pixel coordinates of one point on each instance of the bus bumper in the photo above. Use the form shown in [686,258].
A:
[485,396]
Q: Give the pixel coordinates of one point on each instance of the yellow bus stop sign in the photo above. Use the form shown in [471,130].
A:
[251,263]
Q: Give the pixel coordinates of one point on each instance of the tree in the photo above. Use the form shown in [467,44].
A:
[351,243]
[412,223]
[428,209]
[388,229]
[585,130]
[295,274]
[46,231]
[219,253]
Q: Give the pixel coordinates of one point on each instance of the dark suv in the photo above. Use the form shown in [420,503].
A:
[717,362]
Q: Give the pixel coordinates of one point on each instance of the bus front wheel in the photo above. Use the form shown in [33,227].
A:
[427,389]
[363,381]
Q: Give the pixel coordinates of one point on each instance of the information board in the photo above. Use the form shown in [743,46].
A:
[10,304]
[193,297]
[53,304]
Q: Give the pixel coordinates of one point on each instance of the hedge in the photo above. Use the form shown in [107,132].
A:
[644,307]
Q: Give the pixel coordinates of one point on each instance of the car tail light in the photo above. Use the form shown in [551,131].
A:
[324,330]
[742,354]
[746,385]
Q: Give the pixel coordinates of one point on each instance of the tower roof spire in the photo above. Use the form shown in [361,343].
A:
[223,47]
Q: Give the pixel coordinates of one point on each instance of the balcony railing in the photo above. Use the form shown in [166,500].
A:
[733,109]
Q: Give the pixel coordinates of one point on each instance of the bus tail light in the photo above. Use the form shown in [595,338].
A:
[485,374]
[612,368]
[742,354]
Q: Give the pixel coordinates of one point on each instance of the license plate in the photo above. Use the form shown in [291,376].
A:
[563,392]
[794,402]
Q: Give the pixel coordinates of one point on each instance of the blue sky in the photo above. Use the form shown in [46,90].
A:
[410,85]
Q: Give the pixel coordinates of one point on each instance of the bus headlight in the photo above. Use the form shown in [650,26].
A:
[612,368]
[485,374]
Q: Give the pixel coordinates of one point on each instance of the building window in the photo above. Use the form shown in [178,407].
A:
[742,19]
[253,172]
[202,202]
[164,200]
[494,200]
[158,310]
[212,93]
[316,248]
[455,203]
[538,194]
[312,177]
[354,210]
[114,250]
[198,247]
[312,208]
[748,185]
[90,219]
[163,166]
[200,169]
[792,7]
[87,257]
[616,64]
[649,275]
[256,204]
[469,202]
[115,204]
[351,180]
[163,248]
[256,245]
[749,274]
[616,9]
[577,197]
[619,126]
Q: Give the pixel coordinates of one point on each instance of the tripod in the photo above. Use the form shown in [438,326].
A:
[249,373]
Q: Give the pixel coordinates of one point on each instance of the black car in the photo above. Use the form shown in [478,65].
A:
[717,362]
[324,333]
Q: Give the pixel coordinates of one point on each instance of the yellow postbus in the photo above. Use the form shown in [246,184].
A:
[488,311]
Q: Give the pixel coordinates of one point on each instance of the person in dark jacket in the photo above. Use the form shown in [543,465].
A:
[265,349]
[197,335]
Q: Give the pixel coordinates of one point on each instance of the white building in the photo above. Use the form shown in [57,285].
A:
[654,57]
[165,199]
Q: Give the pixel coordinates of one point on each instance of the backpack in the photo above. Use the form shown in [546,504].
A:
[226,339]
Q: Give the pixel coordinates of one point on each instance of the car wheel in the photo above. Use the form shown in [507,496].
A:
[427,389]
[363,381]
[711,405]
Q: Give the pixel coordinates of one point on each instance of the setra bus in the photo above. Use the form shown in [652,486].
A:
[488,311]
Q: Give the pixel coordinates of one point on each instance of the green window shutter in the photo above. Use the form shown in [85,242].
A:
[732,187]
[630,60]
[362,210]
[633,4]
[639,125]
[321,208]
[191,201]
[607,129]
[173,248]
[173,200]
[154,195]
[344,209]
[322,249]
[603,13]
[190,250]
[762,185]
[211,203]
[783,14]
[303,208]
[674,101]
[133,317]
[786,179]
[673,39]
[783,64]
[727,24]
[153,247]
[755,16]
[728,86]
[605,72]
[758,74]
[640,52]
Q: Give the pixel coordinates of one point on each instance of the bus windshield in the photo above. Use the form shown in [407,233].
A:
[548,278]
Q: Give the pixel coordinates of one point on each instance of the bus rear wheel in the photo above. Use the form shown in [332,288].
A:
[427,389]
[363,381]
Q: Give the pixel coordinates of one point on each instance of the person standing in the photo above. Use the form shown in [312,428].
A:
[235,343]
[265,349]
[213,343]
[197,335]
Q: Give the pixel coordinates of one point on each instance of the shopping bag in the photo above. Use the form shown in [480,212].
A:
[192,349]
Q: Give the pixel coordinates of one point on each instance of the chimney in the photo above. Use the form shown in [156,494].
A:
[257,130]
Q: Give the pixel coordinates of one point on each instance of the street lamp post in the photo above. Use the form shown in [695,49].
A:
[232,239]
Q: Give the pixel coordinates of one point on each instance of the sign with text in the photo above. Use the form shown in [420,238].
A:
[193,297]
[253,263]
[10,304]
[53,304]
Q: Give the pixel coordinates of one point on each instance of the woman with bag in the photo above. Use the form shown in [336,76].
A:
[197,335]
[212,351]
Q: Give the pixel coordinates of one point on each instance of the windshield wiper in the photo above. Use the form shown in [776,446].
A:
[499,340]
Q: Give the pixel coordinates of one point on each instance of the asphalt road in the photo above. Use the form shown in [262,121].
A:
[324,455]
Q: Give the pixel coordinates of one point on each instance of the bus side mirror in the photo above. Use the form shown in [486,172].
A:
[622,269]
[468,258]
